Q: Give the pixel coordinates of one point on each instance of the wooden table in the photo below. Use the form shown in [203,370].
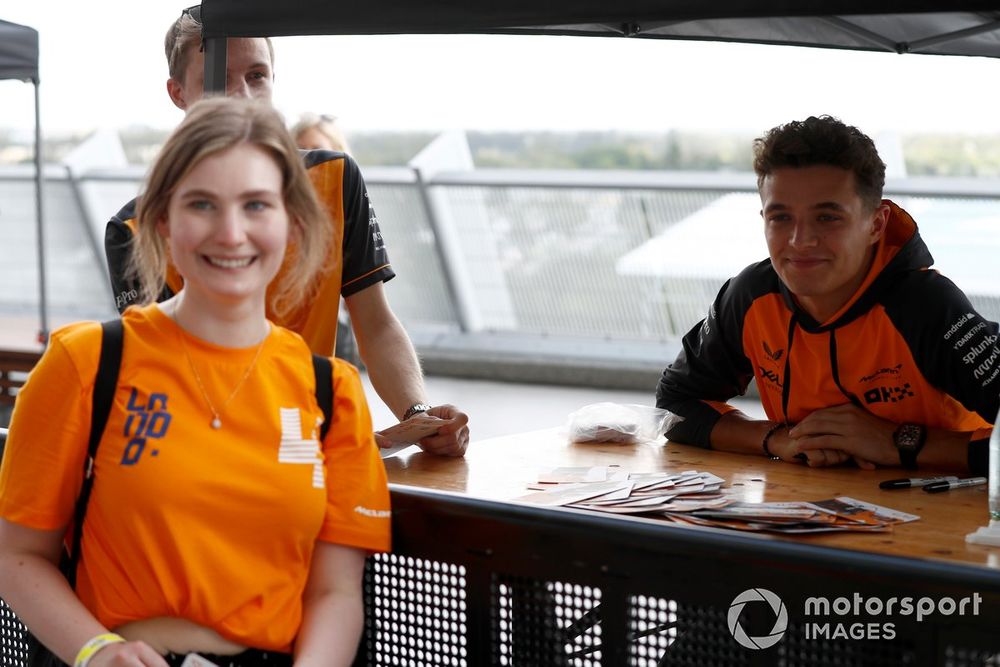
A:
[14,365]
[501,468]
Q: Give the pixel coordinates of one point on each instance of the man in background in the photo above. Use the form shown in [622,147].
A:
[359,264]
[321,132]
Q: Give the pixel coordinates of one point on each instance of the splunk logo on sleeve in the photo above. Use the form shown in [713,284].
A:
[145,422]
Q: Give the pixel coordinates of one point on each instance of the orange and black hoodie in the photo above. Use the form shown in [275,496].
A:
[907,347]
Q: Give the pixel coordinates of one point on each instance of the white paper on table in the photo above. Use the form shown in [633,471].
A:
[710,479]
[655,485]
[689,505]
[399,448]
[572,475]
[645,502]
[567,495]
[615,496]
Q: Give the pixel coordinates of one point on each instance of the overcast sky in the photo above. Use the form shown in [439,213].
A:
[102,64]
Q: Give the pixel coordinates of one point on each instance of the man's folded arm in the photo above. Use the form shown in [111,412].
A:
[710,370]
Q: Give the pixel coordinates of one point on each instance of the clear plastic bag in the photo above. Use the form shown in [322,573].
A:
[619,422]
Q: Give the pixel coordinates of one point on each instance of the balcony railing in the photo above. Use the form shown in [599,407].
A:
[540,275]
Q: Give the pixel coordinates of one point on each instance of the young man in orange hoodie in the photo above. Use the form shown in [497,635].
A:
[859,350]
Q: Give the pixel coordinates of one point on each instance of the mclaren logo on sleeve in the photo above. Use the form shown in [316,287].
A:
[885,371]
[374,514]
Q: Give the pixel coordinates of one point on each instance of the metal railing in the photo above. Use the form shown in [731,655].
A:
[536,266]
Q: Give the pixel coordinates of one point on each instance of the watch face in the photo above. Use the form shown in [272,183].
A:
[907,436]
[909,440]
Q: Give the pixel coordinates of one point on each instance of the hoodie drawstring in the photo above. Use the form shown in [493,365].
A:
[836,370]
[786,386]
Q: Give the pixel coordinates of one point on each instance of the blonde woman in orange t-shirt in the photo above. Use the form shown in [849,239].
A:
[220,522]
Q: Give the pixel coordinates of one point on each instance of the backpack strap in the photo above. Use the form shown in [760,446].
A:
[323,369]
[104,392]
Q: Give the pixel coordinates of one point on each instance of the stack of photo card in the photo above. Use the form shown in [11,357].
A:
[697,498]
[612,489]
[797,518]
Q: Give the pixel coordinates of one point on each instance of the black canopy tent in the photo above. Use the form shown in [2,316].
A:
[937,27]
[934,27]
[19,60]
[941,27]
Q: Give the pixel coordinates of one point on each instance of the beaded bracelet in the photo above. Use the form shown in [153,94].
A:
[93,645]
[767,436]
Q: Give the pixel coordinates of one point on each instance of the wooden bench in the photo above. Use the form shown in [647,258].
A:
[14,368]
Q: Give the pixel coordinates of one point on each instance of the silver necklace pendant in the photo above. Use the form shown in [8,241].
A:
[216,422]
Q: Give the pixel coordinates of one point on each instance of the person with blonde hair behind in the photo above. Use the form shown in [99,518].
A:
[319,132]
[225,518]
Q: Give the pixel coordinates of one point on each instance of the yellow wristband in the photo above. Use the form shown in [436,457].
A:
[95,644]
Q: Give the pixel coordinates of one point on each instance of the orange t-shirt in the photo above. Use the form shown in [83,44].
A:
[215,526]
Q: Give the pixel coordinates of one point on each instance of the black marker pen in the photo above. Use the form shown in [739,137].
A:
[911,482]
[938,487]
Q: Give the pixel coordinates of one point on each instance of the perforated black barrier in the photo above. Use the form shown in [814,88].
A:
[473,583]
[420,610]
[557,587]
[12,648]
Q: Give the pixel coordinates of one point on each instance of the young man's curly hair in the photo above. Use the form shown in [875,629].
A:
[822,140]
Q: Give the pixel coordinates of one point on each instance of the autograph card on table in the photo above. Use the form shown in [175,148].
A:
[413,429]
[859,511]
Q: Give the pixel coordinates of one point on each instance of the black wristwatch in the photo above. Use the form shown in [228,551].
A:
[909,440]
[414,409]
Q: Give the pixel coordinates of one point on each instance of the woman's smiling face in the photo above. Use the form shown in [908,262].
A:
[227,227]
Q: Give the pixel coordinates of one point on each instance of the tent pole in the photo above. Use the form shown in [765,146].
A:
[43,332]
[215,65]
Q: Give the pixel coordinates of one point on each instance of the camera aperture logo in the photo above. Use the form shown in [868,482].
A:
[855,617]
[780,618]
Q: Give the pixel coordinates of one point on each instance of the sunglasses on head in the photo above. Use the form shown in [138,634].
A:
[194,11]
